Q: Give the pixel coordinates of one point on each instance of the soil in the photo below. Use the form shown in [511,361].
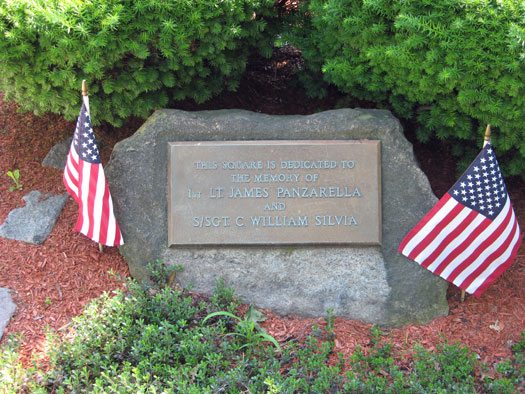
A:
[51,283]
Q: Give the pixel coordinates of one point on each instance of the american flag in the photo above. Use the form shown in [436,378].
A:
[85,180]
[471,236]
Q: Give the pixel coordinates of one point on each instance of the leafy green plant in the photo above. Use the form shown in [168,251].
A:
[375,372]
[137,55]
[511,372]
[223,297]
[247,328]
[15,177]
[14,377]
[453,66]
[162,274]
[12,373]
[137,341]
[143,341]
[450,369]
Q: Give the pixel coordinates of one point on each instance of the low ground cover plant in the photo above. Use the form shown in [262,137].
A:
[453,66]
[159,339]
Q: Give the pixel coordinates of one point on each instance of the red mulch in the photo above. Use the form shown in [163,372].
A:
[51,283]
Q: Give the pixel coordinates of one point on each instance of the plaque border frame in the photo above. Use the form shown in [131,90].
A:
[170,185]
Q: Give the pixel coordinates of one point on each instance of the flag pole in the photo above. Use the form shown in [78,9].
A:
[487,135]
[84,88]
[85,93]
[486,140]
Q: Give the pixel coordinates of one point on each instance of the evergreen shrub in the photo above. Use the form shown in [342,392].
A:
[452,65]
[136,55]
[156,339]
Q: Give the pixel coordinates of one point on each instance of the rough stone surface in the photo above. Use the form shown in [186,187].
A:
[374,284]
[57,155]
[33,222]
[7,309]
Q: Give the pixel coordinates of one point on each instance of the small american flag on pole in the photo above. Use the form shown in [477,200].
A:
[85,180]
[471,236]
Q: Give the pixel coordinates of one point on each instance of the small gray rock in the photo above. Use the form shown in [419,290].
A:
[57,156]
[34,222]
[7,309]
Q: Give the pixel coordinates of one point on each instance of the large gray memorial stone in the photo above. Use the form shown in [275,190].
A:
[368,281]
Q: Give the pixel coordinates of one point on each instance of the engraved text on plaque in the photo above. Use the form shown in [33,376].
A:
[274,192]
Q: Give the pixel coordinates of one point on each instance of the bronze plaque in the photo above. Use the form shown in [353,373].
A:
[274,192]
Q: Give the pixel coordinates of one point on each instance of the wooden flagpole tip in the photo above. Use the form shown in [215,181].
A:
[487,133]
[84,88]
[101,248]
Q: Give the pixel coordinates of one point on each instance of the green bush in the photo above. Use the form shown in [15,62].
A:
[136,55]
[453,65]
[448,370]
[12,373]
[511,372]
[146,341]
[158,340]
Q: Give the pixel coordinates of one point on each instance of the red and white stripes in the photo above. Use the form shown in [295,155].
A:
[87,184]
[463,246]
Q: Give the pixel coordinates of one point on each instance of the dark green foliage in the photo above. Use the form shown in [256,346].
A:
[375,372]
[454,65]
[511,372]
[136,55]
[247,329]
[162,274]
[161,341]
[449,370]
[11,371]
[224,297]
[144,342]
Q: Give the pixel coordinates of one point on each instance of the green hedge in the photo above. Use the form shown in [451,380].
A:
[160,341]
[453,65]
[136,55]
